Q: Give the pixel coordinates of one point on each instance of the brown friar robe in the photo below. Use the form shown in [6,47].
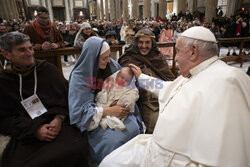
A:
[153,64]
[37,39]
[24,149]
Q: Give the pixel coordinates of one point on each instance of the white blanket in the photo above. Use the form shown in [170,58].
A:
[125,95]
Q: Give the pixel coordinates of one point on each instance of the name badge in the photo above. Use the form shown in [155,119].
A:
[34,106]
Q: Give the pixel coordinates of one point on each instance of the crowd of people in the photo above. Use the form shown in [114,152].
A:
[165,30]
[99,116]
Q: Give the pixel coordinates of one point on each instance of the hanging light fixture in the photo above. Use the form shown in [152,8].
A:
[35,13]
[81,14]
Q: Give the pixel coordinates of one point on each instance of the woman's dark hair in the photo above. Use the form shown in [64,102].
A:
[166,27]
[103,74]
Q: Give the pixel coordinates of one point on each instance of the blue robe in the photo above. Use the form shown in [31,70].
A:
[82,104]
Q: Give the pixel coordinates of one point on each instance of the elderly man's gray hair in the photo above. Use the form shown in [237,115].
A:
[206,49]
[9,40]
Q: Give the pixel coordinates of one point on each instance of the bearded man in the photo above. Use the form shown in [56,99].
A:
[43,34]
[144,53]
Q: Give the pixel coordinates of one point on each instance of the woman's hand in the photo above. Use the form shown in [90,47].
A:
[113,104]
[137,71]
[117,111]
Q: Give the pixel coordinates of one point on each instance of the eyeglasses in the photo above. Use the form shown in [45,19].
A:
[43,18]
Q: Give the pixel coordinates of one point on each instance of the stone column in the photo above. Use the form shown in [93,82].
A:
[97,9]
[130,8]
[8,5]
[175,3]
[4,11]
[13,10]
[102,10]
[92,9]
[210,10]
[232,6]
[106,9]
[71,3]
[112,9]
[43,3]
[192,5]
[153,12]
[181,6]
[1,11]
[121,8]
[88,8]
[117,9]
[162,8]
[51,15]
[66,3]
[146,8]
[135,8]
[15,6]
[125,9]
[24,5]
[9,8]
[84,2]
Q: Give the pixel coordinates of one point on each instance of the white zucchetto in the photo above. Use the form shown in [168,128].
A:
[200,33]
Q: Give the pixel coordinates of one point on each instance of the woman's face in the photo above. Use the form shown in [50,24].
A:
[169,26]
[87,31]
[104,59]
[62,29]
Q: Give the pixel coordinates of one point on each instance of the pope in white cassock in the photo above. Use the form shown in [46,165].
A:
[204,117]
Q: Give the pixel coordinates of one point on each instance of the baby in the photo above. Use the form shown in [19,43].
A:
[116,88]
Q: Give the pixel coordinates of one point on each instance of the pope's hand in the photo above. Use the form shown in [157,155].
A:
[137,71]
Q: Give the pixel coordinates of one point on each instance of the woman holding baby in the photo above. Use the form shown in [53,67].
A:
[95,65]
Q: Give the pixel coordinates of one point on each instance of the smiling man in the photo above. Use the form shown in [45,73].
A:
[204,115]
[34,110]
[43,34]
[144,53]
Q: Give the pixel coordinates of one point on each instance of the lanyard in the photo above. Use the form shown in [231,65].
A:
[21,84]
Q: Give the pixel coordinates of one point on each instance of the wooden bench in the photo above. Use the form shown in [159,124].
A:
[240,58]
[170,44]
[54,56]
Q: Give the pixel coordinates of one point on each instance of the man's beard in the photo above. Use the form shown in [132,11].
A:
[144,53]
[42,23]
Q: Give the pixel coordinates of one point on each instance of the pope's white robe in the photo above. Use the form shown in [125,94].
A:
[204,120]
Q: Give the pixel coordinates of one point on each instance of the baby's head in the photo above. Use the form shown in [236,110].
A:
[124,76]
